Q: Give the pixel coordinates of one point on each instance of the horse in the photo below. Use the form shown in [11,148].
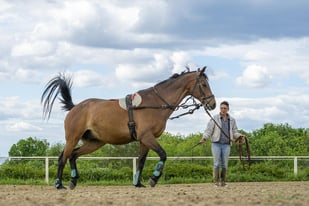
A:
[97,122]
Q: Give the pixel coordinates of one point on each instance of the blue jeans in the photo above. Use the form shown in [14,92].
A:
[220,153]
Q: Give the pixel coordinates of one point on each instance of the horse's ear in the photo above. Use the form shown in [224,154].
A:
[203,70]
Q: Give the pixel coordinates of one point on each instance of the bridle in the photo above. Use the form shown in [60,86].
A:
[199,84]
[204,100]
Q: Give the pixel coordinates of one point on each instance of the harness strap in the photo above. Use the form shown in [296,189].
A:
[167,105]
[131,123]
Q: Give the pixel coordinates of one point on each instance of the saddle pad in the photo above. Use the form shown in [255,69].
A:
[136,101]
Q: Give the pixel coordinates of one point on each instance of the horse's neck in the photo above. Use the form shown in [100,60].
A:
[174,92]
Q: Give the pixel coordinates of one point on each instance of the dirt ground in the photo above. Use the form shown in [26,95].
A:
[240,194]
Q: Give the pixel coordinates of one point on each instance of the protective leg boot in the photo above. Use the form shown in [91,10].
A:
[216,177]
[223,177]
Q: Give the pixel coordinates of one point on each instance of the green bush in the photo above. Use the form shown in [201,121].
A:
[23,170]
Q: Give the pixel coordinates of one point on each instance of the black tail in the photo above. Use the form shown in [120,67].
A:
[59,84]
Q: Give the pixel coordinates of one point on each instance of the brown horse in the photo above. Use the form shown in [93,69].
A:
[98,122]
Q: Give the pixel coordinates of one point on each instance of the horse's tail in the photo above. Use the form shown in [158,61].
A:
[59,84]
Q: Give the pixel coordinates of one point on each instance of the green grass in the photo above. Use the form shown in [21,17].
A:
[19,174]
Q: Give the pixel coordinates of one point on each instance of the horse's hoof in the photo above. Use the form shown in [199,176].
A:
[61,187]
[72,185]
[139,185]
[58,185]
[152,182]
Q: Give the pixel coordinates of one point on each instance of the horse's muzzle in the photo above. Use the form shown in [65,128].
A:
[209,103]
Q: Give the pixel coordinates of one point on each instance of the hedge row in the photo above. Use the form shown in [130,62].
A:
[174,172]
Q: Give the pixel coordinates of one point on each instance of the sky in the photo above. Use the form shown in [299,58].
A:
[256,53]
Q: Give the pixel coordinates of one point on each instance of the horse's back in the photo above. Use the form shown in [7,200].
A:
[104,118]
[97,110]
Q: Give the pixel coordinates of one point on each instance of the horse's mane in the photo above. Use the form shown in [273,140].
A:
[175,76]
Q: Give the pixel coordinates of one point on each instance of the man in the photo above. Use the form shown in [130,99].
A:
[222,129]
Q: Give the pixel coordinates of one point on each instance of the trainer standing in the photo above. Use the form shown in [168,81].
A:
[222,129]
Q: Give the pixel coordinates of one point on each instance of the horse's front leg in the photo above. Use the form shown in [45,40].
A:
[155,146]
[159,166]
[141,161]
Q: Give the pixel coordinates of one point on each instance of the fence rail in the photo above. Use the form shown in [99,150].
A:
[134,160]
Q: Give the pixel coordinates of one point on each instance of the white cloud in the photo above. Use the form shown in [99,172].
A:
[251,113]
[180,60]
[27,75]
[157,66]
[4,5]
[18,108]
[254,76]
[36,48]
[20,75]
[22,126]
[86,78]
[280,58]
[161,65]
[285,108]
[76,19]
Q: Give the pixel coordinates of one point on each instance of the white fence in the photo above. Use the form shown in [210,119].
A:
[134,160]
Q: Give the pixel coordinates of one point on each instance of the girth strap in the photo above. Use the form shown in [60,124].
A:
[131,123]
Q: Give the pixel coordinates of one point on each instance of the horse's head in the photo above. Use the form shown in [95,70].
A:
[202,91]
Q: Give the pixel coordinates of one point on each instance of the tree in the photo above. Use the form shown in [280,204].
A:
[55,149]
[279,139]
[29,147]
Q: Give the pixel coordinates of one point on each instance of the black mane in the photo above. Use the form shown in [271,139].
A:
[175,76]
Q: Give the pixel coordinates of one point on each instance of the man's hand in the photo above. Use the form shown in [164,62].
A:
[239,139]
[202,141]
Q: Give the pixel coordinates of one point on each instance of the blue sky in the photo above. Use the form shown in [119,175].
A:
[256,52]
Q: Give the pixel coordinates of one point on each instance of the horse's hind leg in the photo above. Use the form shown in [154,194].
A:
[141,161]
[86,148]
[61,163]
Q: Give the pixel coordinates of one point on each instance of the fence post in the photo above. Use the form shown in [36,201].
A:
[46,170]
[295,166]
[134,166]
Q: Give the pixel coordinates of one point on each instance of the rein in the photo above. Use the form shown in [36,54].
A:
[186,106]
[175,108]
[241,152]
[239,140]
